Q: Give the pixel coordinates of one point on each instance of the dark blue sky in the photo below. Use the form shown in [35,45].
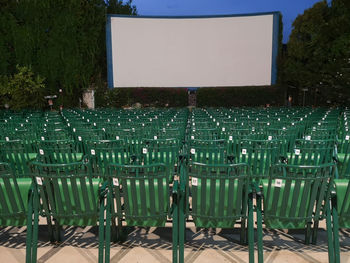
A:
[289,8]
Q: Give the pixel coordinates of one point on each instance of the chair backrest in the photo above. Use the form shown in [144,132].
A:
[294,195]
[259,155]
[219,194]
[312,152]
[141,193]
[208,151]
[67,192]
[18,155]
[59,151]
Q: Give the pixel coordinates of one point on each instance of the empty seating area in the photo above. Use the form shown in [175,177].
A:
[244,168]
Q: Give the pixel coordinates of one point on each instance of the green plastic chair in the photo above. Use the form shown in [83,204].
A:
[140,196]
[68,195]
[297,197]
[221,198]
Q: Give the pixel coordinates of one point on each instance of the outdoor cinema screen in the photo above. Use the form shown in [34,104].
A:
[233,50]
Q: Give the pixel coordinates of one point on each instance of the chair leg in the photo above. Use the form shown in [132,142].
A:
[182,228]
[250,229]
[335,230]
[35,227]
[259,228]
[330,237]
[243,240]
[314,232]
[308,234]
[29,238]
[101,230]
[175,231]
[108,228]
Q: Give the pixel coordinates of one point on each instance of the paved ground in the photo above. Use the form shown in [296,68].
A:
[154,245]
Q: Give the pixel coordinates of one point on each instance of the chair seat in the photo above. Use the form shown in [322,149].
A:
[280,223]
[19,218]
[341,188]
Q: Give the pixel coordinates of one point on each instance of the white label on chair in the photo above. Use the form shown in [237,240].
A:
[117,137]
[39,181]
[93,152]
[115,182]
[268,124]
[253,129]
[103,129]
[68,125]
[144,150]
[308,138]
[347,137]
[79,138]
[319,124]
[193,151]
[88,120]
[211,117]
[244,151]
[155,137]
[27,121]
[217,124]
[257,119]
[7,139]
[223,129]
[172,120]
[278,183]
[143,125]
[83,117]
[118,124]
[230,138]
[297,151]
[292,123]
[194,181]
[74,129]
[279,119]
[150,119]
[45,125]
[314,128]
[163,129]
[108,120]
[5,120]
[301,119]
[41,151]
[95,124]
[283,128]
[168,124]
[192,137]
[269,138]
[42,138]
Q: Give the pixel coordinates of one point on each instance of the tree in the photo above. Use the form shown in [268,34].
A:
[63,41]
[23,90]
[318,51]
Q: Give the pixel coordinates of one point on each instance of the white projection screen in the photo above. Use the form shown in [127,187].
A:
[214,51]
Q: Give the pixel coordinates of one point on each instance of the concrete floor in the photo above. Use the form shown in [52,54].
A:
[154,245]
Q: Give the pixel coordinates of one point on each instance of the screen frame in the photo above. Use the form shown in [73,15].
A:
[275,39]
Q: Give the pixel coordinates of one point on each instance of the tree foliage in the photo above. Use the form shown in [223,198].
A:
[319,51]
[23,90]
[61,40]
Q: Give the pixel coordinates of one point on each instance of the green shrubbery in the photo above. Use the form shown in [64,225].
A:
[240,96]
[22,90]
